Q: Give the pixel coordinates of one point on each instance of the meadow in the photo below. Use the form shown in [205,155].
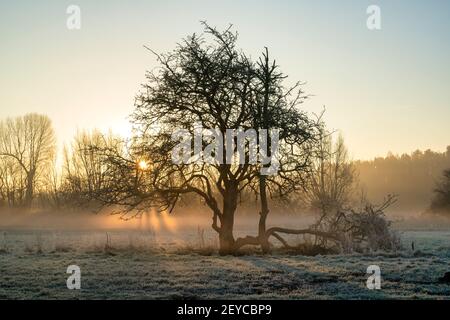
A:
[173,262]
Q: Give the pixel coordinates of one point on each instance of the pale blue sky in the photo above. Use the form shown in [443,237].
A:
[386,90]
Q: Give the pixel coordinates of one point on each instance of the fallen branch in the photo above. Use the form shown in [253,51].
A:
[248,240]
[275,230]
[280,238]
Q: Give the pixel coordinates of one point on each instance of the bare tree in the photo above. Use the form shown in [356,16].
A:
[28,141]
[333,179]
[218,86]
[197,83]
[83,168]
[12,182]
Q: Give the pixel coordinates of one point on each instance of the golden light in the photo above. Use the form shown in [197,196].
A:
[143,165]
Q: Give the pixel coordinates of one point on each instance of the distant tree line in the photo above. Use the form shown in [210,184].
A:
[413,177]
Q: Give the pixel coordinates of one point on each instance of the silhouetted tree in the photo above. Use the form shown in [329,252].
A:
[216,85]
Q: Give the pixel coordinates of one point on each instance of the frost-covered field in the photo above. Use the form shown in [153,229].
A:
[158,265]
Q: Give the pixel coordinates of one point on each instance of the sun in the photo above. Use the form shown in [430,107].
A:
[143,165]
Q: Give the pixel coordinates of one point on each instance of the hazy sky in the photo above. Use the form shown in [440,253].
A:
[386,90]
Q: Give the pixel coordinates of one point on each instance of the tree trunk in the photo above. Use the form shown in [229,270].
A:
[29,189]
[265,246]
[226,238]
[265,124]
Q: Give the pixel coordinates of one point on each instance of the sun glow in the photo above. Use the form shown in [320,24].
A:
[143,165]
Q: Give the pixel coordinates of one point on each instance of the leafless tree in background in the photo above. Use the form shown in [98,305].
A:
[83,171]
[332,183]
[12,182]
[27,148]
